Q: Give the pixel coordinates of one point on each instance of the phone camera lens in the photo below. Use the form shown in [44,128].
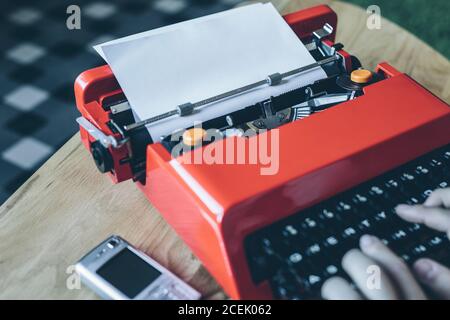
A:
[113,243]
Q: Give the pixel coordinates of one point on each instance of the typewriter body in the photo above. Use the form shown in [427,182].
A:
[227,213]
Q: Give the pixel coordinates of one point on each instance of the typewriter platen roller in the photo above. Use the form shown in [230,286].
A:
[334,134]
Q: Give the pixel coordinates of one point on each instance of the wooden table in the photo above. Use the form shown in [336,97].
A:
[67,206]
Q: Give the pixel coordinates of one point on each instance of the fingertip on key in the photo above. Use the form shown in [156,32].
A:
[366,241]
[406,211]
[424,269]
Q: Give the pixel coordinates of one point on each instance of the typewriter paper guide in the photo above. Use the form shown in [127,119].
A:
[206,57]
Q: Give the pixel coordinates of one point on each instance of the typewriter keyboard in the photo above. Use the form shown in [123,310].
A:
[297,254]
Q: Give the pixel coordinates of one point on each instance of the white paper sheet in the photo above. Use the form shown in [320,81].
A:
[201,58]
[99,47]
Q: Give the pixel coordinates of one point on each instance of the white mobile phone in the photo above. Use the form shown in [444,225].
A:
[116,270]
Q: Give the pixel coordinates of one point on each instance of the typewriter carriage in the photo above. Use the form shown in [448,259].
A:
[96,88]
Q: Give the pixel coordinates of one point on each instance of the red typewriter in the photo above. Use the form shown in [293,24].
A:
[351,147]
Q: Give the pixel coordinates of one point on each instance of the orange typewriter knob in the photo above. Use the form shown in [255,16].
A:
[361,76]
[194,136]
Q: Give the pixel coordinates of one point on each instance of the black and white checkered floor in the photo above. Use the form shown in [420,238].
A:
[41,57]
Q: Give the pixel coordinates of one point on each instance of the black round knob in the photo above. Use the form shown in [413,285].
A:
[102,158]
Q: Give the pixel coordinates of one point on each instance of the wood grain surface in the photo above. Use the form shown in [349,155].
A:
[67,206]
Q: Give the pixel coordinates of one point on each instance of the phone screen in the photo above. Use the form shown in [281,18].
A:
[128,273]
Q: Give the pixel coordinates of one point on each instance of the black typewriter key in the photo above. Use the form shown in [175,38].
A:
[394,186]
[421,195]
[398,240]
[275,246]
[335,246]
[399,235]
[436,241]
[314,276]
[344,207]
[326,214]
[331,270]
[264,267]
[443,184]
[350,233]
[362,204]
[424,194]
[271,253]
[292,235]
[408,177]
[262,259]
[295,258]
[300,262]
[376,191]
[436,164]
[284,285]
[375,195]
[438,169]
[314,281]
[412,188]
[364,225]
[289,286]
[423,173]
[330,219]
[382,225]
[419,251]
[406,258]
[331,242]
[312,227]
[412,201]
[379,197]
[268,248]
[414,227]
[380,217]
[345,212]
[313,249]
[439,248]
[360,199]
[290,231]
[446,156]
[309,224]
[349,240]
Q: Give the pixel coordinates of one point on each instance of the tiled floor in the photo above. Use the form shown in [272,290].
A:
[40,59]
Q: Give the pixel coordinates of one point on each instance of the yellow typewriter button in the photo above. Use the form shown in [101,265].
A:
[361,76]
[194,136]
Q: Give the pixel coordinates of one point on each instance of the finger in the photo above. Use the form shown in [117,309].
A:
[337,288]
[434,275]
[435,218]
[359,267]
[394,266]
[439,197]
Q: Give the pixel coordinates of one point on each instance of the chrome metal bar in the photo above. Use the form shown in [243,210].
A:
[106,141]
[188,108]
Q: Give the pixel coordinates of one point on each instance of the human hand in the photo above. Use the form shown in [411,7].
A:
[396,280]
[434,213]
